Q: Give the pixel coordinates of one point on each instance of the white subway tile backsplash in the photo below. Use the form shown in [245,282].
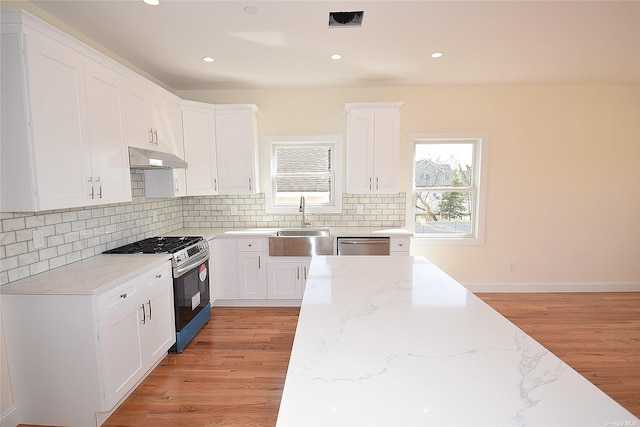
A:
[75,234]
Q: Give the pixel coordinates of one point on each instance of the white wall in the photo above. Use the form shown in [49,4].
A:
[563,197]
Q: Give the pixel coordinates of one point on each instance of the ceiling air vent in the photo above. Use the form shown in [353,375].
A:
[345,19]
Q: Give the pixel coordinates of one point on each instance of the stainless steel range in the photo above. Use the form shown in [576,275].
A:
[190,262]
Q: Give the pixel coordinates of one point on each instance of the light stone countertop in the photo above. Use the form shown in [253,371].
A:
[211,233]
[90,276]
[394,341]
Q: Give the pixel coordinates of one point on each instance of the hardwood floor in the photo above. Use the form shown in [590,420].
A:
[233,373]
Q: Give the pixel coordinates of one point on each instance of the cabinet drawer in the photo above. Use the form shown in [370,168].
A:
[155,276]
[129,291]
[399,244]
[118,297]
[245,245]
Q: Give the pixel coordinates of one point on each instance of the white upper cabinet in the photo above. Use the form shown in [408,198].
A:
[61,147]
[373,148]
[152,121]
[109,157]
[200,153]
[237,149]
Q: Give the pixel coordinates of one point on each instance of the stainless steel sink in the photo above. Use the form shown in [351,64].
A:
[301,242]
[295,232]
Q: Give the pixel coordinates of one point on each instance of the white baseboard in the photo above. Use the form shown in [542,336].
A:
[256,303]
[9,418]
[554,287]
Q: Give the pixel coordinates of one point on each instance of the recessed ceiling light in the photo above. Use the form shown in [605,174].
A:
[336,56]
[436,54]
[208,59]
[250,10]
[152,2]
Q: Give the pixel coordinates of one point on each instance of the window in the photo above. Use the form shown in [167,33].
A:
[448,187]
[309,166]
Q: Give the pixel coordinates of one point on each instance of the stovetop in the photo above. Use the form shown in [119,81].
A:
[157,245]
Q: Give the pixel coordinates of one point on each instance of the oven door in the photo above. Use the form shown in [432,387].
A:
[191,292]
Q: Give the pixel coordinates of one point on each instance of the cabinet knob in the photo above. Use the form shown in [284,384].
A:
[123,296]
[158,276]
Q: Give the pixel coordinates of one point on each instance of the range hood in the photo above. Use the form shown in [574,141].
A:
[139,158]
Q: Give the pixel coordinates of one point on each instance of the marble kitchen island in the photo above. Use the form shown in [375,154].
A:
[394,341]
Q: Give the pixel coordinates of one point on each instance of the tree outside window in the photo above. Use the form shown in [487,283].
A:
[446,187]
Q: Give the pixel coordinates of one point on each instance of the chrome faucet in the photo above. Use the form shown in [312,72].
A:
[303,222]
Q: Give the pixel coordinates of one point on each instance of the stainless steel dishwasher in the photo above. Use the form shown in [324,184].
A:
[363,245]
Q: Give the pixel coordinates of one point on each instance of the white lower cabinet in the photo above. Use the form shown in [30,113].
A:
[399,246]
[240,268]
[73,358]
[252,269]
[287,277]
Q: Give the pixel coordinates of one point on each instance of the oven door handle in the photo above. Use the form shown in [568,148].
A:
[197,260]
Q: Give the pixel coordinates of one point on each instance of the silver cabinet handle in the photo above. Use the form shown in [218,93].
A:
[370,183]
[144,315]
[298,272]
[155,137]
[151,136]
[93,192]
[99,187]
[215,184]
[250,185]
[377,183]
[305,273]
[123,296]
[259,262]
[149,302]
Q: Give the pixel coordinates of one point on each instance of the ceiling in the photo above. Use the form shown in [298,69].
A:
[283,44]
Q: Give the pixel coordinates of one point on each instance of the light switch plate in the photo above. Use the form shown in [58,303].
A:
[360,209]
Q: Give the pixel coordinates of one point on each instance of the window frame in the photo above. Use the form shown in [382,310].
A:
[271,142]
[478,189]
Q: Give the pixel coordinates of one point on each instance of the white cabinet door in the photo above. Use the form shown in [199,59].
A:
[386,162]
[237,149]
[373,149]
[252,268]
[166,121]
[120,337]
[110,176]
[138,129]
[57,100]
[159,323]
[252,277]
[224,259]
[152,121]
[200,152]
[360,152]
[287,279]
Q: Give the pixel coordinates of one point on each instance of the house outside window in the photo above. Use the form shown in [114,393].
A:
[448,176]
[309,166]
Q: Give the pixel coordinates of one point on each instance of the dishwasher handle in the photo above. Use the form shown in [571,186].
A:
[363,242]
[363,246]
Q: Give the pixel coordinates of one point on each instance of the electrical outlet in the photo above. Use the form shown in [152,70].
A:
[38,239]
[360,209]
[154,216]
[234,210]
[512,266]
